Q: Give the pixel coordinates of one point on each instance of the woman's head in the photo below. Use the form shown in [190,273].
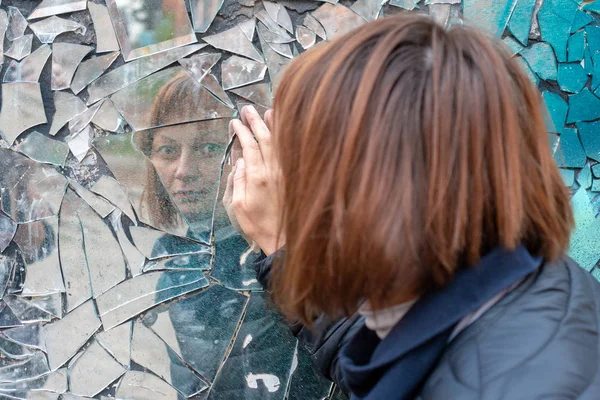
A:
[408,150]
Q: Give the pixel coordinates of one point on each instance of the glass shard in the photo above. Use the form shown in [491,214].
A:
[211,83]
[99,204]
[260,362]
[38,242]
[200,65]
[67,107]
[337,19]
[131,72]
[520,21]
[138,294]
[52,304]
[259,93]
[48,29]
[117,341]
[368,9]
[406,4]
[16,24]
[66,336]
[248,28]
[65,59]
[306,37]
[72,253]
[33,191]
[144,386]
[53,383]
[30,335]
[541,59]
[235,41]
[135,259]
[204,12]
[237,71]
[20,47]
[3,28]
[576,47]
[583,106]
[491,15]
[81,121]
[281,48]
[555,18]
[22,108]
[168,26]
[311,23]
[171,96]
[111,190]
[26,312]
[13,350]
[93,371]
[199,328]
[54,7]
[8,319]
[155,244]
[33,367]
[79,143]
[273,27]
[90,70]
[30,69]
[199,261]
[108,118]
[571,77]
[276,63]
[150,352]
[584,238]
[307,382]
[440,13]
[106,40]
[42,149]
[7,231]
[589,132]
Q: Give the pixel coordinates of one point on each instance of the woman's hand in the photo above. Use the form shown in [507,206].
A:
[253,193]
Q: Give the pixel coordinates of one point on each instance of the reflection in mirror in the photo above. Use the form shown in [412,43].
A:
[7,230]
[16,24]
[200,65]
[22,108]
[53,7]
[3,28]
[81,121]
[99,204]
[8,319]
[204,12]
[306,381]
[20,47]
[31,368]
[79,143]
[248,27]
[238,71]
[259,93]
[211,83]
[275,61]
[13,350]
[90,70]
[314,25]
[584,239]
[337,19]
[491,15]
[38,242]
[235,41]
[65,59]
[145,386]
[279,14]
[66,336]
[155,244]
[32,191]
[131,72]
[42,149]
[106,40]
[92,371]
[185,162]
[51,384]
[30,69]
[200,327]
[7,264]
[199,261]
[138,294]
[370,9]
[172,89]
[29,335]
[135,259]
[52,304]
[26,312]
[67,107]
[150,26]
[306,37]
[117,341]
[108,118]
[48,29]
[112,190]
[150,352]
[274,28]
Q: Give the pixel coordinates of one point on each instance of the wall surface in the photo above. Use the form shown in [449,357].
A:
[120,273]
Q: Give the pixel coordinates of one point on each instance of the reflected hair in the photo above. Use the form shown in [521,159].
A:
[414,150]
[180,93]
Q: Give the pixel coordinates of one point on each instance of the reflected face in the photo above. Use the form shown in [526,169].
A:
[188,160]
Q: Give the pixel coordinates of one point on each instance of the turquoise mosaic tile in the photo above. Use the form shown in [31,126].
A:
[571,77]
[576,47]
[581,19]
[589,133]
[568,176]
[520,21]
[584,178]
[583,106]
[491,15]
[557,109]
[555,19]
[542,60]
[570,153]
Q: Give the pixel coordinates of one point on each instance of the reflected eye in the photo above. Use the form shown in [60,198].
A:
[168,152]
[210,150]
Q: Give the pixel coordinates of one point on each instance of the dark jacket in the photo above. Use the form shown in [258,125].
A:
[540,341]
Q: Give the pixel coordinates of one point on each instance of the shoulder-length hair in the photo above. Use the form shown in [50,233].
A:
[408,150]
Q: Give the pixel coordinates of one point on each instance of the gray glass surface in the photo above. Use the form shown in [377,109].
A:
[65,59]
[67,107]
[235,41]
[30,335]
[79,143]
[20,47]
[90,70]
[306,37]
[145,386]
[368,9]
[22,108]
[211,83]
[279,14]
[29,368]
[42,387]
[200,65]
[8,227]
[26,312]
[259,93]
[314,25]
[3,28]
[117,341]
[52,7]
[275,62]
[204,12]
[135,259]
[16,24]
[145,28]
[337,19]
[108,118]
[112,190]
[81,121]
[30,69]
[238,71]
[99,204]
[48,29]
[42,149]
[155,244]
[106,40]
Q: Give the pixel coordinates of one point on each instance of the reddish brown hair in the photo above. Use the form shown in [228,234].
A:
[408,150]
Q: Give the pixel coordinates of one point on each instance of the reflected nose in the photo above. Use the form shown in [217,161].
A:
[187,167]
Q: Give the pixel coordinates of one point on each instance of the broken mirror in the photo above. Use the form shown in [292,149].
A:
[106,40]
[22,108]
[48,29]
[54,7]
[150,26]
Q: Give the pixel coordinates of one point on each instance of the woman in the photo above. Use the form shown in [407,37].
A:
[410,178]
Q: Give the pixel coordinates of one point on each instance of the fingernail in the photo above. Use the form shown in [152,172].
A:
[250,109]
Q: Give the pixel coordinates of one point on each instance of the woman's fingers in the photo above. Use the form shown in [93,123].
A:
[238,199]
[269,119]
[228,195]
[250,148]
[260,130]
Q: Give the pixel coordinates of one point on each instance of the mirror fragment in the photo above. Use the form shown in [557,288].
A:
[30,368]
[7,231]
[99,204]
[520,21]
[155,244]
[542,60]
[135,259]
[30,335]
[48,29]
[108,118]
[42,149]
[20,47]
[16,24]
[90,70]
[145,386]
[235,41]
[30,69]
[54,7]
[337,19]
[111,190]
[67,107]
[65,59]
[106,40]
[200,65]
[204,12]
[117,341]
[211,83]
[237,71]
[22,108]
[491,15]
[306,37]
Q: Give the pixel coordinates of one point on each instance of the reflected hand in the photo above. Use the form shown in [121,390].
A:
[256,189]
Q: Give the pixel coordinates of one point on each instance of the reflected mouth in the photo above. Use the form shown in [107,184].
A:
[189,195]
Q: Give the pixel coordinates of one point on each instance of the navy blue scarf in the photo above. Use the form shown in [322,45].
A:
[397,367]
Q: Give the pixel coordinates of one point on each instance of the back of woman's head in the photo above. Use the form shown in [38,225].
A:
[408,150]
